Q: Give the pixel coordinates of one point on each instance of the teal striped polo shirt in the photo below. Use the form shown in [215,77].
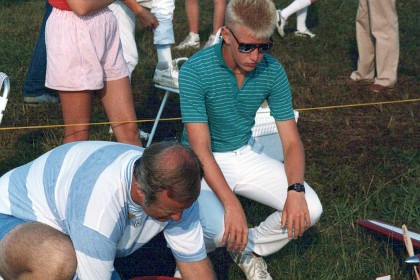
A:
[209,94]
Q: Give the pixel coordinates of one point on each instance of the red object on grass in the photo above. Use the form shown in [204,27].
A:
[154,278]
[390,231]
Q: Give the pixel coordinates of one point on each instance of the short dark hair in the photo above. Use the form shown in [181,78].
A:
[172,166]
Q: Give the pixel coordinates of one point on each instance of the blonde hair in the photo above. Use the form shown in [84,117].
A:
[258,16]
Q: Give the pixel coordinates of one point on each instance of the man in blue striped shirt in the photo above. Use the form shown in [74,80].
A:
[69,213]
[221,89]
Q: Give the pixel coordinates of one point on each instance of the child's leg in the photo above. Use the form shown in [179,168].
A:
[163,10]
[219,14]
[301,19]
[294,7]
[76,107]
[192,10]
[166,73]
[302,30]
[118,102]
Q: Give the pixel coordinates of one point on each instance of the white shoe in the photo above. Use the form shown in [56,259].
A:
[166,74]
[254,268]
[211,41]
[281,23]
[143,135]
[305,33]
[177,274]
[192,41]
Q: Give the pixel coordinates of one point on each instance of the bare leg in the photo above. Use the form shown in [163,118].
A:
[192,11]
[37,251]
[219,14]
[118,102]
[77,108]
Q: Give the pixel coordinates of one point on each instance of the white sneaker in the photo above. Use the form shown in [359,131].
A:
[143,135]
[177,274]
[211,41]
[281,23]
[254,268]
[192,41]
[305,33]
[166,74]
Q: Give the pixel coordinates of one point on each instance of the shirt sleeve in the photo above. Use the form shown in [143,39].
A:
[185,238]
[192,100]
[280,97]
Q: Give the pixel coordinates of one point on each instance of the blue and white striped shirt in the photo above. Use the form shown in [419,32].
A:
[83,190]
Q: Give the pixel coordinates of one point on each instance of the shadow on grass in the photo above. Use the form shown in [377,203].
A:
[152,259]
[155,258]
[28,147]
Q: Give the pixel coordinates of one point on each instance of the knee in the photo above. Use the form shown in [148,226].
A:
[315,210]
[62,256]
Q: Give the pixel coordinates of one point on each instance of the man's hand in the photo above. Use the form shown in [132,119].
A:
[295,214]
[236,227]
[147,19]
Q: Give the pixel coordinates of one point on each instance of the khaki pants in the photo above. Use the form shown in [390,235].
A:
[377,41]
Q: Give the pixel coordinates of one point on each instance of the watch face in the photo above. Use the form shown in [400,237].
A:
[297,187]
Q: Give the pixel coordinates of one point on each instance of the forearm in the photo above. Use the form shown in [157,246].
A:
[86,7]
[196,270]
[293,152]
[294,163]
[134,6]
[200,142]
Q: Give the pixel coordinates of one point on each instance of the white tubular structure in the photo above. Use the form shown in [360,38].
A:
[4,80]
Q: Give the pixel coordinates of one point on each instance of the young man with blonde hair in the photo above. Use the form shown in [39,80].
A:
[221,89]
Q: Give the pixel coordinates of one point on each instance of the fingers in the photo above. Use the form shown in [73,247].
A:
[236,239]
[296,225]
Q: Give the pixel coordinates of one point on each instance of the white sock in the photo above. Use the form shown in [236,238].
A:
[301,19]
[294,7]
[195,36]
[164,53]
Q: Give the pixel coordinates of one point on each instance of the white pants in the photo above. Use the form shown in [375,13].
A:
[262,179]
[377,41]
[163,10]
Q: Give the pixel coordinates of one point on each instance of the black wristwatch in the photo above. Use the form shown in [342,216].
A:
[296,187]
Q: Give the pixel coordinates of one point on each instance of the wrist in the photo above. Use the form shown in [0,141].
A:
[297,187]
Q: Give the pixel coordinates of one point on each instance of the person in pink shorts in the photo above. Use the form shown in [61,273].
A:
[84,56]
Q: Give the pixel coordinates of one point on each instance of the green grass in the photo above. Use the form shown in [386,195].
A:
[363,161]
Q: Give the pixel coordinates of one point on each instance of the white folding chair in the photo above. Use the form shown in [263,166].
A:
[162,104]
[4,80]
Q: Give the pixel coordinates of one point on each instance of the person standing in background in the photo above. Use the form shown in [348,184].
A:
[159,18]
[300,7]
[84,56]
[378,45]
[34,90]
[192,11]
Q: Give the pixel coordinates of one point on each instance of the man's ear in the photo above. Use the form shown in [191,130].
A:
[136,194]
[225,34]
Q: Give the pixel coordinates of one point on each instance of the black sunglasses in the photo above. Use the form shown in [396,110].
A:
[247,48]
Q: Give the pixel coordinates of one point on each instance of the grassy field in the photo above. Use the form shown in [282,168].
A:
[362,149]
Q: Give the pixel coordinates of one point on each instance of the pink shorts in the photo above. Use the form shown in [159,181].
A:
[83,52]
